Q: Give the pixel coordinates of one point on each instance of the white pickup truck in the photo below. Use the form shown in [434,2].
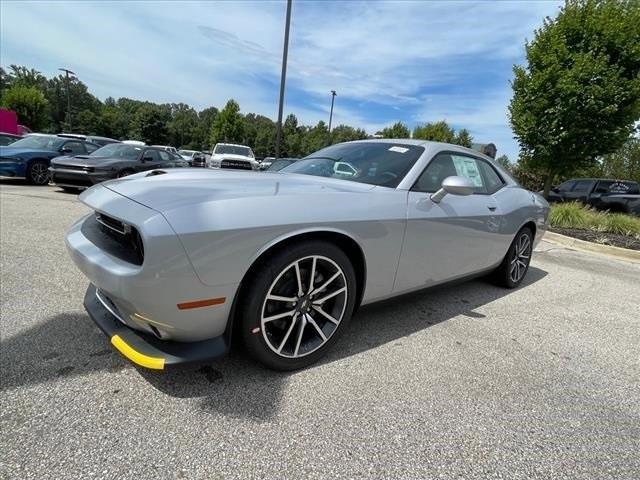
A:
[229,155]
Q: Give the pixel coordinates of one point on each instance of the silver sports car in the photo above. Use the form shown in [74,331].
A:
[180,260]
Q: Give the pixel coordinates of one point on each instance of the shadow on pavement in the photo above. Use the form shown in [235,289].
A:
[70,344]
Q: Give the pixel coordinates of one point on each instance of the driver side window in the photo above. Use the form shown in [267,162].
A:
[450,165]
[151,156]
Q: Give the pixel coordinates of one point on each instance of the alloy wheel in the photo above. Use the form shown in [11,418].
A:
[304,306]
[520,258]
[39,173]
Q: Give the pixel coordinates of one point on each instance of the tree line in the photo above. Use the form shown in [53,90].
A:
[41,104]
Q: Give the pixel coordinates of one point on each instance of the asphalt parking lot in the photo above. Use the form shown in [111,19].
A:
[469,381]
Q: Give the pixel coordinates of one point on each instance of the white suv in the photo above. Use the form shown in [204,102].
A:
[229,155]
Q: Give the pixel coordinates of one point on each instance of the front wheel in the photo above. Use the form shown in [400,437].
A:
[515,264]
[297,304]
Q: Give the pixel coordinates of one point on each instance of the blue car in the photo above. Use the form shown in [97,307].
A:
[29,157]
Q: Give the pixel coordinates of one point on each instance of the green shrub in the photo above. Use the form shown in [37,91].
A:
[570,215]
[576,215]
[620,223]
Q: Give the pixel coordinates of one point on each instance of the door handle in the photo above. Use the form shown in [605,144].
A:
[493,209]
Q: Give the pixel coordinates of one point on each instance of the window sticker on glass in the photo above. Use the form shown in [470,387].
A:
[398,149]
[467,167]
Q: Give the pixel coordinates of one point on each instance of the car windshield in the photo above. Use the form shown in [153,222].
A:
[118,150]
[234,150]
[40,142]
[375,163]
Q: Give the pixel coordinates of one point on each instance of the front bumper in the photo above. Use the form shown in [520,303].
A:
[13,168]
[146,350]
[78,178]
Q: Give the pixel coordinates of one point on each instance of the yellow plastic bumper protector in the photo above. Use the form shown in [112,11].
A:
[136,357]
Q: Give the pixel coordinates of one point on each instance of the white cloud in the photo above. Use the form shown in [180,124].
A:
[388,60]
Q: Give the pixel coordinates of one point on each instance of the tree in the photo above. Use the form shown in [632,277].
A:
[228,125]
[150,124]
[623,164]
[579,94]
[436,132]
[463,138]
[505,162]
[397,130]
[29,104]
[182,126]
[345,133]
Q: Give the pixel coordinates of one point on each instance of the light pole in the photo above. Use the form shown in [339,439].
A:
[333,97]
[283,77]
[67,72]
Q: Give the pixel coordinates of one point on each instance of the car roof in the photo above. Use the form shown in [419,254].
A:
[424,143]
[233,145]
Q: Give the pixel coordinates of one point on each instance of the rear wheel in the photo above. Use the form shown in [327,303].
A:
[297,304]
[515,265]
[38,172]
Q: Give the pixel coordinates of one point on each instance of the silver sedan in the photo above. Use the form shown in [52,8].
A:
[180,260]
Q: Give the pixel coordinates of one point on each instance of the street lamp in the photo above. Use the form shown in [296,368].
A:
[283,77]
[333,97]
[67,72]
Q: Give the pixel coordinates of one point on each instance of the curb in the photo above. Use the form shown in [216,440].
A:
[590,247]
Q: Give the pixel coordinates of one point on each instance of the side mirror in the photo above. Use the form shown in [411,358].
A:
[454,186]
[66,150]
[555,190]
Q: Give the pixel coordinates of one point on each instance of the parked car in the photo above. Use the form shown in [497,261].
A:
[167,148]
[101,141]
[30,156]
[179,262]
[280,163]
[8,138]
[194,157]
[228,155]
[117,160]
[266,162]
[600,193]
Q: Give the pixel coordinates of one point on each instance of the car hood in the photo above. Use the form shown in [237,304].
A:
[232,156]
[178,188]
[8,151]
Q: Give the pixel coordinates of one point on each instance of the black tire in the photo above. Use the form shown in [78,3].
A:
[38,173]
[277,270]
[505,275]
[125,173]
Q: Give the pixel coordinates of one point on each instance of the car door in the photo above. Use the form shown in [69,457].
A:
[455,237]
[150,160]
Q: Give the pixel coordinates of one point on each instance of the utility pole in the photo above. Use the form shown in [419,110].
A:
[333,97]
[67,72]
[283,77]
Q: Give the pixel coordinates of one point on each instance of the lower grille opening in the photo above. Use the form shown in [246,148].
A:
[116,238]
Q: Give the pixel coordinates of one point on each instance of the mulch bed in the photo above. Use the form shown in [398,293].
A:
[603,238]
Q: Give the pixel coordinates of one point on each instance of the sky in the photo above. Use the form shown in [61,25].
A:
[409,61]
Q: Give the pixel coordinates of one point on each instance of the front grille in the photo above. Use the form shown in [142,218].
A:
[114,237]
[72,167]
[239,164]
